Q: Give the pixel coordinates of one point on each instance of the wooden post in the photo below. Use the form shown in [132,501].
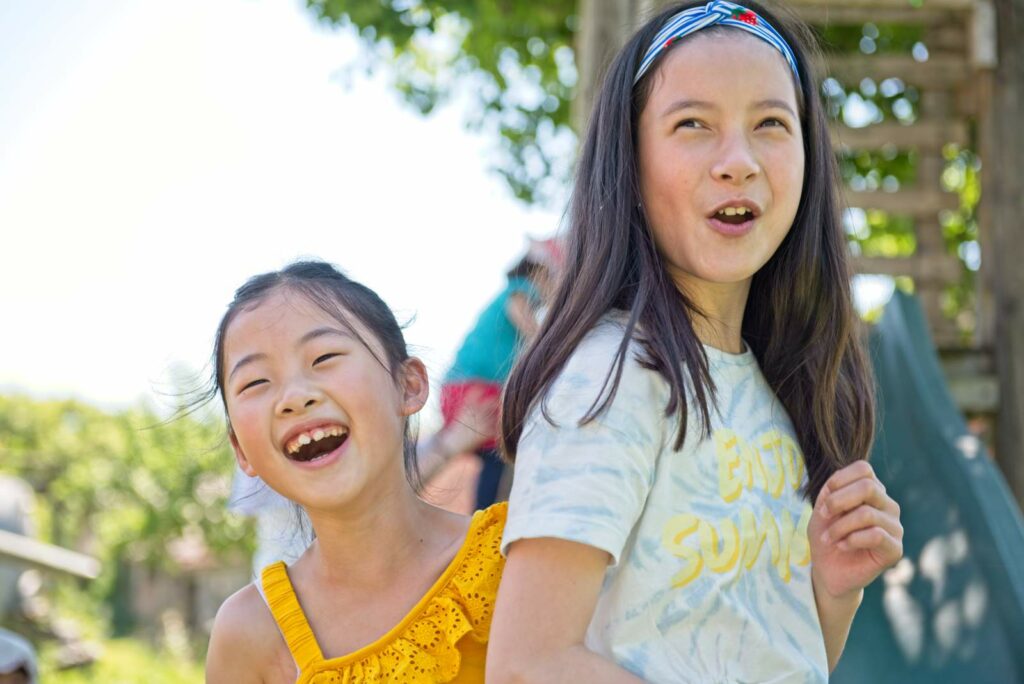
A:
[605,25]
[984,60]
[1002,175]
[945,41]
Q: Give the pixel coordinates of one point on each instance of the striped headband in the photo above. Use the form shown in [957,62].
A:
[714,13]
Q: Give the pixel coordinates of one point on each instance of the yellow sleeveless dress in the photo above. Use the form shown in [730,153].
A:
[442,639]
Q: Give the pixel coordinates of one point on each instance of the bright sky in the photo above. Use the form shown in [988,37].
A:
[155,155]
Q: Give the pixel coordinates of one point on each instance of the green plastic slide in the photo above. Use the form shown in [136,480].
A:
[953,609]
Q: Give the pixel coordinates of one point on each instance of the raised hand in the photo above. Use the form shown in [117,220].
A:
[854,533]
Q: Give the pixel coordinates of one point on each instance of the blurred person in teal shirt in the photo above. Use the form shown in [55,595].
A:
[489,349]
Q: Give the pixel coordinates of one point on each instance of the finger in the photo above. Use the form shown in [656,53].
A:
[819,503]
[862,518]
[857,470]
[887,548]
[868,491]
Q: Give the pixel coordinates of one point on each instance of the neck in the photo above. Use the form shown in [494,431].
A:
[721,305]
[371,542]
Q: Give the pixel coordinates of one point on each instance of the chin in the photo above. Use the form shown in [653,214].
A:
[334,499]
[727,275]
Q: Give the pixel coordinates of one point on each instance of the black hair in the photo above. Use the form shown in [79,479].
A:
[340,297]
[525,268]
[799,319]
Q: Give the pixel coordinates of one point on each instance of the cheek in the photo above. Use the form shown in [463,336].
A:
[373,394]
[673,171]
[668,194]
[245,423]
[788,164]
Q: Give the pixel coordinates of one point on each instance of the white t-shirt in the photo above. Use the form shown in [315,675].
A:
[710,578]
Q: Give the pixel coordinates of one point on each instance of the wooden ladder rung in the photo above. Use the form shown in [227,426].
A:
[834,14]
[922,134]
[927,6]
[927,268]
[911,202]
[942,71]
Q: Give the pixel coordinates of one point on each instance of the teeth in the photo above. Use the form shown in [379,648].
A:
[314,436]
[735,211]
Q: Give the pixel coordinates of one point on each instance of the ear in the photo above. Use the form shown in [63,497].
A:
[415,386]
[243,462]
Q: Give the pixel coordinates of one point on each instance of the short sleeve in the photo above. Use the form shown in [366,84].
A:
[589,483]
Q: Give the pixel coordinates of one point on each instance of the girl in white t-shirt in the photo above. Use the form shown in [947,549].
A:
[697,385]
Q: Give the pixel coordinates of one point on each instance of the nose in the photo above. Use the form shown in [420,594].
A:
[297,397]
[736,162]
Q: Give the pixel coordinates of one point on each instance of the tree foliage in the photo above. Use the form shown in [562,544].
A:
[514,58]
[517,60]
[124,661]
[123,485]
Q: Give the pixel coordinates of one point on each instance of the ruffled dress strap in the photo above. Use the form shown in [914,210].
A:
[284,605]
[443,638]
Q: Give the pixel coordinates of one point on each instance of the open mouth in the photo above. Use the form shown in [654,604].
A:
[315,444]
[734,215]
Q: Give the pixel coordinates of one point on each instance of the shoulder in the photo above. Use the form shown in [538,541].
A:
[482,546]
[487,526]
[245,642]
[469,594]
[514,286]
[242,615]
[595,360]
[479,561]
[517,283]
[602,342]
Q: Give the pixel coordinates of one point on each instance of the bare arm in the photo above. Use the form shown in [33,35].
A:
[519,311]
[243,637]
[545,602]
[836,616]
[473,426]
[855,534]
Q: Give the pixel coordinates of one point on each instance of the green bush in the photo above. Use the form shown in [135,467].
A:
[120,486]
[124,661]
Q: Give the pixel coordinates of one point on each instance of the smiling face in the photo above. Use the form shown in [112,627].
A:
[720,130]
[312,410]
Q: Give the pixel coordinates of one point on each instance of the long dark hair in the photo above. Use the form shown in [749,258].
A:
[339,297]
[799,319]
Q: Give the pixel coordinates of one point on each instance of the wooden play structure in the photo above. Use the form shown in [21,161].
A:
[970,81]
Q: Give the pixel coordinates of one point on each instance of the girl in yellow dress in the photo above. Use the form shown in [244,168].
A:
[318,388]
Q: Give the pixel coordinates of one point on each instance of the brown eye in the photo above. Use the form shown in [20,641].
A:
[777,123]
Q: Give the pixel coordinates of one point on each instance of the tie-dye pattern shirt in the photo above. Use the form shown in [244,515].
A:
[710,576]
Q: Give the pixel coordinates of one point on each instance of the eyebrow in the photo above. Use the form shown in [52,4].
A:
[245,361]
[769,103]
[321,332]
[305,339]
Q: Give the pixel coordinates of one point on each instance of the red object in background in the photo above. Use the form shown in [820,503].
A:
[455,395]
